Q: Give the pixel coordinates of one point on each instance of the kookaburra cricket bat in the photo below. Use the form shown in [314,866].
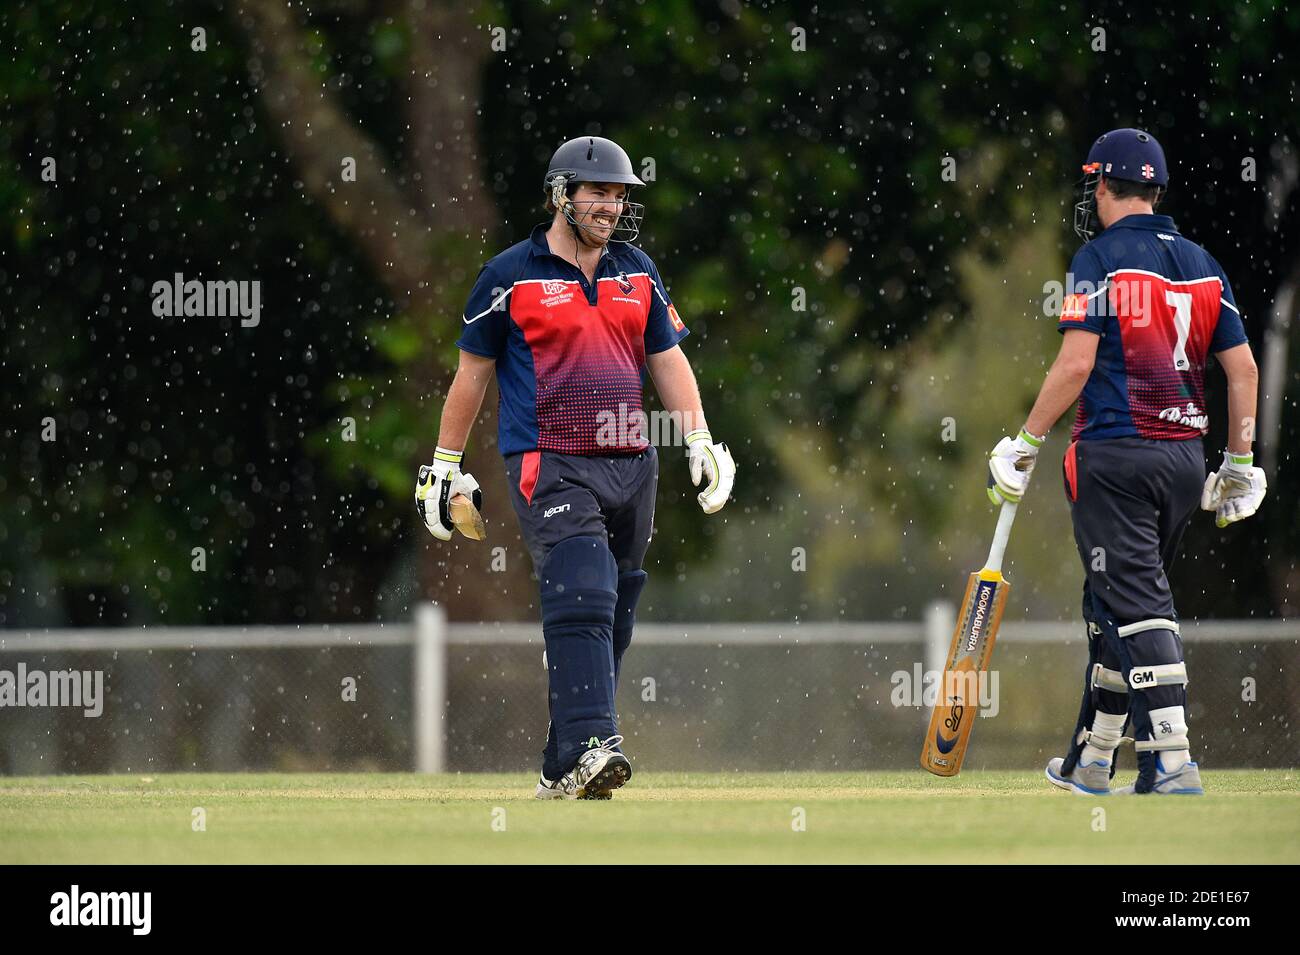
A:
[466,518]
[957,703]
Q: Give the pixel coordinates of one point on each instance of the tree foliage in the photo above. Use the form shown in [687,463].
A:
[799,156]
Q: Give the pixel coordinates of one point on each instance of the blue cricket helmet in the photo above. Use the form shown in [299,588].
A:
[1129,154]
[594,159]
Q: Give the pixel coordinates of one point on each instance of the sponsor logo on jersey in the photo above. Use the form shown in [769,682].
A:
[1074,308]
[558,509]
[556,293]
[1189,416]
[675,319]
[624,298]
[1167,238]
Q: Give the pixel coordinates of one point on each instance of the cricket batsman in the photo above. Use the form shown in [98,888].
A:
[1147,307]
[567,319]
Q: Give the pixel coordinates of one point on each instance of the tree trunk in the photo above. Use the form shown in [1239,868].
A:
[413,239]
[391,231]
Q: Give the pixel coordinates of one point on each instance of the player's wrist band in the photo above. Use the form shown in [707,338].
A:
[1031,440]
[1241,460]
[699,434]
[448,455]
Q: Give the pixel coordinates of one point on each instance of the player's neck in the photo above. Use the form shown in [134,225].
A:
[1125,208]
[564,242]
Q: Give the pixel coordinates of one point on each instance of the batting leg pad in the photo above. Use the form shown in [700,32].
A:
[1168,731]
[579,593]
[1104,691]
[1152,653]
[630,585]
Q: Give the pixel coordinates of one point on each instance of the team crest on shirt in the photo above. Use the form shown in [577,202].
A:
[625,283]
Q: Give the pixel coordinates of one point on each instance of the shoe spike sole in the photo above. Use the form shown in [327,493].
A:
[612,777]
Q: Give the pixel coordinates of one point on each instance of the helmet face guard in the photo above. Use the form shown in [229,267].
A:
[1085,210]
[626,227]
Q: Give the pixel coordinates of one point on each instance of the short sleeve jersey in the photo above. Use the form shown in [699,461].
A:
[569,353]
[1161,304]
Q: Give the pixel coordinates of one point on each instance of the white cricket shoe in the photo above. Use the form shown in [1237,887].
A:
[1184,781]
[601,770]
[1090,780]
[563,788]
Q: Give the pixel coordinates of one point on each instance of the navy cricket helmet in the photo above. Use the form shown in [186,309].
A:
[593,159]
[1129,154]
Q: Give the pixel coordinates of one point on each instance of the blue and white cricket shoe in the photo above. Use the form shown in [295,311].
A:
[1184,781]
[600,771]
[566,787]
[1090,780]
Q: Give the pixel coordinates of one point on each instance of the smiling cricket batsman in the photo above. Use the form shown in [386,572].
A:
[1147,309]
[567,319]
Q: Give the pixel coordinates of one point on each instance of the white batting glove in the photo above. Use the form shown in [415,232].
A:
[437,484]
[714,462]
[1010,465]
[1235,491]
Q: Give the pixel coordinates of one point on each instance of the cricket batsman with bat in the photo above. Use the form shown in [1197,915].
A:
[568,319]
[1148,307]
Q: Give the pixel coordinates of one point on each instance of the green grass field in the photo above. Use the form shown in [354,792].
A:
[982,817]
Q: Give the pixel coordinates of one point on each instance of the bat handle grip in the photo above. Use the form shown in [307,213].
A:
[1006,517]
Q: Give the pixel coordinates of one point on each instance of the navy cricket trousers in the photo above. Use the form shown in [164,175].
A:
[1130,501]
[571,508]
[607,496]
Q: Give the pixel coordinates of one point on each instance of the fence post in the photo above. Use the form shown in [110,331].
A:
[430,688]
[940,620]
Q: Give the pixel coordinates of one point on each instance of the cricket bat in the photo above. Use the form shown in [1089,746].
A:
[466,518]
[957,703]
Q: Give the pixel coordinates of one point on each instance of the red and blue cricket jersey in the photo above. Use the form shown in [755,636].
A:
[569,353]
[1161,304]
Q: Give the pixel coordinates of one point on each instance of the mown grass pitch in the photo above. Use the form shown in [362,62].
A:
[983,817]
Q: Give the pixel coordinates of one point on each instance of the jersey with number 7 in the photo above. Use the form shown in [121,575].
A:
[1161,304]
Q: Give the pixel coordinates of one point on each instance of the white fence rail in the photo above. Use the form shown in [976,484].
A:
[430,636]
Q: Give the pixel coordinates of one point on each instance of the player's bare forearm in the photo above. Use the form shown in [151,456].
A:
[1065,380]
[678,391]
[1243,389]
[464,399]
